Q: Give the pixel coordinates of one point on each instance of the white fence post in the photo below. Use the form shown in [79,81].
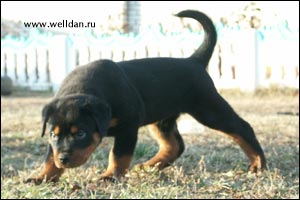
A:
[247,59]
[59,60]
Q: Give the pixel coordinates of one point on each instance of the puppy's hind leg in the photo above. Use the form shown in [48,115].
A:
[170,143]
[217,114]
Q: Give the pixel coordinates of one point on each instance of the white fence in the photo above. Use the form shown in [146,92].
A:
[241,59]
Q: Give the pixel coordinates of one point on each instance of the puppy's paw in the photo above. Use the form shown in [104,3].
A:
[108,179]
[108,176]
[139,166]
[36,181]
[40,179]
[148,166]
[257,165]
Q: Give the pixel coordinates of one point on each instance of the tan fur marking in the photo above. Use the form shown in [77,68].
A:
[117,166]
[254,157]
[79,156]
[74,129]
[96,138]
[50,171]
[113,122]
[250,152]
[56,130]
[168,149]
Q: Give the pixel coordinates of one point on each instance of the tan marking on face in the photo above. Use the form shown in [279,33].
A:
[96,137]
[79,156]
[113,122]
[74,129]
[56,130]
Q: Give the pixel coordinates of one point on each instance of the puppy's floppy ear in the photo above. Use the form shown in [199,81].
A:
[47,111]
[101,112]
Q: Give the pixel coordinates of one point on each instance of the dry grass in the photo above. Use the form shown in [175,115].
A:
[211,166]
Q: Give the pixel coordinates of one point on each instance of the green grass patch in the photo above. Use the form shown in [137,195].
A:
[210,167]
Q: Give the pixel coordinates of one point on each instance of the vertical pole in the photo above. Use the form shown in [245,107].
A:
[59,60]
[248,60]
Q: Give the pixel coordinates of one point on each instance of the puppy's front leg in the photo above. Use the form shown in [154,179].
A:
[120,155]
[50,172]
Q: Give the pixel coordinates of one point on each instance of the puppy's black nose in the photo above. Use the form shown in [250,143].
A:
[64,159]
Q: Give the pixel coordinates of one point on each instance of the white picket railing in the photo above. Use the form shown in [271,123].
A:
[241,59]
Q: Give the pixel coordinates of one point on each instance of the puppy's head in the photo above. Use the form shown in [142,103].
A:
[77,125]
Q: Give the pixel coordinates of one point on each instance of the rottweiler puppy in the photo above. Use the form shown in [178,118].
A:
[113,99]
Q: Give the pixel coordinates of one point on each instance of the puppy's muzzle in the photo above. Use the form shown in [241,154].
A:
[64,158]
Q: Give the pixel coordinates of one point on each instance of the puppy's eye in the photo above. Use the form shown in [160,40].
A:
[80,135]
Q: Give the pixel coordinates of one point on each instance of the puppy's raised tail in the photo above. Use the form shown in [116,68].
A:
[204,52]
